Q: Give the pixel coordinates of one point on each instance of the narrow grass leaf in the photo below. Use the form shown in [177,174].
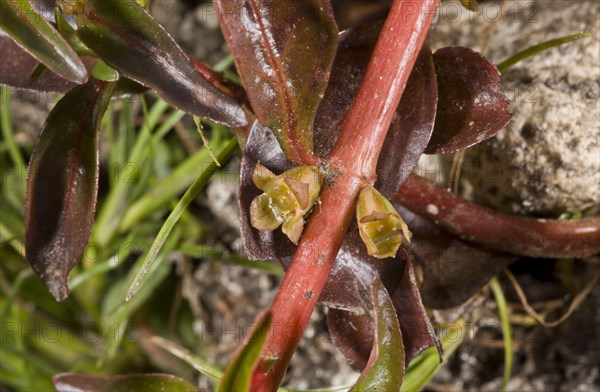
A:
[185,355]
[506,330]
[204,140]
[238,374]
[535,49]
[173,218]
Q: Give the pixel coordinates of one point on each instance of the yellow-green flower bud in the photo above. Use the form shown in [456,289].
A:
[286,199]
[380,226]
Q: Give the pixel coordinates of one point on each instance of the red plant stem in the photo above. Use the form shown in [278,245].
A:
[355,157]
[524,236]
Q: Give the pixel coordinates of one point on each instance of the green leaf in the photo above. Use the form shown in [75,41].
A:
[70,34]
[284,51]
[62,184]
[148,382]
[385,369]
[238,374]
[129,39]
[30,30]
[102,71]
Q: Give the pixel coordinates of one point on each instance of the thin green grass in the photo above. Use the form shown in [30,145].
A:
[506,330]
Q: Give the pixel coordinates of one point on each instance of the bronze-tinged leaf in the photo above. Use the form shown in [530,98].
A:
[39,38]
[17,66]
[385,369]
[412,125]
[471,106]
[416,328]
[62,184]
[129,39]
[346,294]
[283,51]
[145,382]
[453,269]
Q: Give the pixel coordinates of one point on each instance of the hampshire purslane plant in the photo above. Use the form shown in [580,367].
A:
[331,125]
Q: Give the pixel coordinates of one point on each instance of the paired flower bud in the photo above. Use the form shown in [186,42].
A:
[380,226]
[289,196]
[286,199]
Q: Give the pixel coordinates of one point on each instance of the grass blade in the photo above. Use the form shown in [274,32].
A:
[535,49]
[506,330]
[185,200]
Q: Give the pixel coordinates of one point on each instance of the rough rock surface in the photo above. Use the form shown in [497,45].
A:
[547,161]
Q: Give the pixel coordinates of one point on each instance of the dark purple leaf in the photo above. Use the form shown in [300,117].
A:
[352,335]
[62,185]
[283,51]
[17,66]
[147,382]
[453,269]
[413,123]
[471,106]
[351,276]
[349,325]
[129,39]
[385,369]
[411,127]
